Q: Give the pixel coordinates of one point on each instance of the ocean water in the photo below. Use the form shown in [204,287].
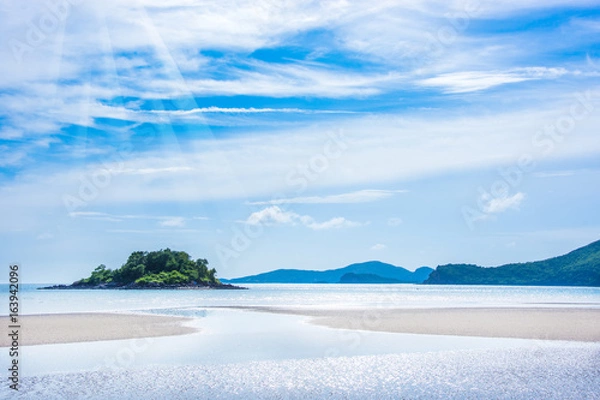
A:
[249,354]
[314,296]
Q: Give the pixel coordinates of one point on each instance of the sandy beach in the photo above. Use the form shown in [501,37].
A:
[578,324]
[575,324]
[88,327]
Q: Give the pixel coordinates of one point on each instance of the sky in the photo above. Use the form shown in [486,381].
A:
[271,134]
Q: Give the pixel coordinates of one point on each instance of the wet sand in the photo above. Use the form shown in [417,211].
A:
[89,327]
[574,324]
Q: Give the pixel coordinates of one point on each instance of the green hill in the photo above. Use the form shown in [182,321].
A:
[580,267]
[155,269]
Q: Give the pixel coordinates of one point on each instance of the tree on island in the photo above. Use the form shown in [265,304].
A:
[154,269]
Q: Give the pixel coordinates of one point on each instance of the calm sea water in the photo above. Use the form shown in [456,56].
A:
[35,301]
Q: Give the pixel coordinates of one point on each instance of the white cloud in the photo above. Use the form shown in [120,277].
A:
[471,81]
[361,196]
[164,221]
[554,174]
[565,173]
[45,236]
[296,79]
[276,216]
[497,205]
[152,171]
[333,223]
[249,110]
[272,215]
[394,221]
[175,222]
[378,247]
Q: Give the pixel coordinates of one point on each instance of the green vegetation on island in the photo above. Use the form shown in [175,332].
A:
[156,269]
[580,267]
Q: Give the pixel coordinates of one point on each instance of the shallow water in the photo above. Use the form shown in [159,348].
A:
[317,295]
[233,336]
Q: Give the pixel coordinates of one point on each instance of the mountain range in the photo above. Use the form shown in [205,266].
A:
[367,272]
[580,267]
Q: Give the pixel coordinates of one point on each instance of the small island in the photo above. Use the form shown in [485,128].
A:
[163,269]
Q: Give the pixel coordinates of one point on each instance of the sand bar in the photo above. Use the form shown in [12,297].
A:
[575,324]
[68,328]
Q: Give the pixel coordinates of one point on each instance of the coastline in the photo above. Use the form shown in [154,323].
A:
[570,324]
[91,327]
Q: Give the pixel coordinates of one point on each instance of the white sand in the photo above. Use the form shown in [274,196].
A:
[576,324]
[68,328]
[527,323]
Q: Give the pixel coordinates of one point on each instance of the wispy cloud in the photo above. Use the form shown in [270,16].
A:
[177,222]
[203,170]
[471,81]
[361,196]
[395,221]
[249,110]
[45,236]
[565,172]
[152,171]
[378,247]
[164,221]
[276,216]
[169,231]
[157,58]
[553,174]
[285,80]
[496,205]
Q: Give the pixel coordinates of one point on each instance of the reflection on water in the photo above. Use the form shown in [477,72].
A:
[191,312]
[234,336]
[316,295]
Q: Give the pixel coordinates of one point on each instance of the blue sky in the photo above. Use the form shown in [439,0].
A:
[264,135]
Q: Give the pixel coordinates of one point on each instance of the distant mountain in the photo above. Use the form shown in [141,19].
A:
[580,267]
[367,272]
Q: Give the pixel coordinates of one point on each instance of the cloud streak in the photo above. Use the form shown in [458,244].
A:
[163,221]
[250,110]
[276,216]
[497,205]
[473,81]
[361,196]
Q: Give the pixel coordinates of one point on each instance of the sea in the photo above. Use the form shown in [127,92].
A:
[34,301]
[245,354]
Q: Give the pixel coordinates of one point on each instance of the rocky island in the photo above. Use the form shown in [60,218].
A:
[163,269]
